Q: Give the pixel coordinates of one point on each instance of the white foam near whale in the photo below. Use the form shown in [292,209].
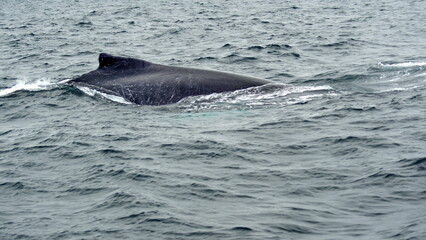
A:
[403,65]
[29,85]
[46,84]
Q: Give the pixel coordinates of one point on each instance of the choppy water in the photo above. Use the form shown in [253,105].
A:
[335,150]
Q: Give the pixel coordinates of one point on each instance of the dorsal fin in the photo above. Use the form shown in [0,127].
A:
[109,61]
[106,60]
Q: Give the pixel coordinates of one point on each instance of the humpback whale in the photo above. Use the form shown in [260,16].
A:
[146,83]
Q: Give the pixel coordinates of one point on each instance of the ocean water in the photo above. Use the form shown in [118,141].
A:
[336,149]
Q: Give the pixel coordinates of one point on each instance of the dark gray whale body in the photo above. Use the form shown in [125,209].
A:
[147,83]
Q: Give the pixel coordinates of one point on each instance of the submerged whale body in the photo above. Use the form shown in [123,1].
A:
[147,83]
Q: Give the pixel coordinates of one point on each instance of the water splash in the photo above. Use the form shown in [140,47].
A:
[29,85]
[404,76]
[266,95]
[402,65]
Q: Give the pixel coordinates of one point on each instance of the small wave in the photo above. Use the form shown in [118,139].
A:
[294,228]
[270,46]
[29,85]
[335,44]
[86,190]
[117,199]
[243,229]
[84,23]
[380,178]
[402,65]
[205,58]
[416,163]
[12,185]
[227,45]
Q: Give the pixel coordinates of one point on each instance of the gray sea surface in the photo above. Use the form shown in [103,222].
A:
[336,149]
